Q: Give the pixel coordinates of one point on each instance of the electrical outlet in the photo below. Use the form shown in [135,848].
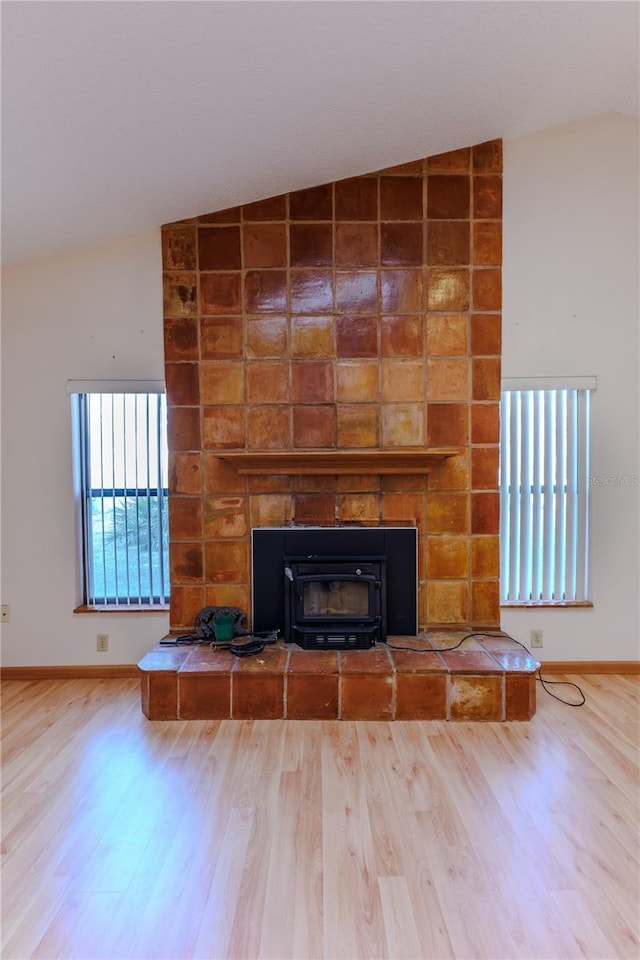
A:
[536,638]
[5,613]
[102,643]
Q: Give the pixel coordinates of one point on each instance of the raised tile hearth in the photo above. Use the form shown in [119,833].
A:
[486,678]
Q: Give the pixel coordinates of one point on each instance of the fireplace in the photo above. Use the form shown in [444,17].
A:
[335,588]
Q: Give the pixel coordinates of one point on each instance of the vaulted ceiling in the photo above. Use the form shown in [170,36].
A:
[117,117]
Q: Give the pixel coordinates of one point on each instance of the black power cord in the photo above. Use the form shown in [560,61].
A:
[544,682]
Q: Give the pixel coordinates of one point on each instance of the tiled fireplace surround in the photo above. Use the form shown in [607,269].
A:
[362,315]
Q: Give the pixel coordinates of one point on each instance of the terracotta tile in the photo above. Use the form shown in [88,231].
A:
[405,509]
[312,381]
[312,291]
[486,378]
[485,603]
[221,477]
[357,291]
[485,512]
[226,561]
[225,517]
[446,335]
[359,482]
[164,659]
[487,243]
[257,698]
[357,199]
[448,289]
[181,339]
[185,475]
[366,697]
[409,483]
[487,157]
[185,518]
[514,662]
[269,427]
[448,601]
[402,380]
[520,693]
[227,595]
[455,161]
[448,197]
[160,696]
[220,293]
[401,244]
[179,295]
[312,663]
[402,424]
[311,243]
[421,696]
[451,474]
[185,603]
[265,291]
[484,468]
[400,198]
[316,203]
[487,289]
[486,334]
[357,425]
[401,291]
[485,422]
[412,168]
[183,428]
[205,696]
[419,660]
[485,557]
[376,660]
[223,427]
[447,424]
[230,215]
[356,337]
[264,245]
[448,243]
[470,661]
[312,336]
[312,697]
[222,382]
[487,197]
[358,508]
[266,337]
[401,336]
[314,426]
[356,244]
[315,483]
[275,208]
[475,698]
[314,508]
[267,381]
[447,558]
[179,248]
[219,248]
[185,561]
[221,338]
[357,381]
[260,485]
[447,513]
[448,379]
[183,384]
[271,510]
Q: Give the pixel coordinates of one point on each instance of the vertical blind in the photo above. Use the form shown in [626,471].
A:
[122,461]
[544,493]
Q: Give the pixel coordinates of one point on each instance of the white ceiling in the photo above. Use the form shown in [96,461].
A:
[120,116]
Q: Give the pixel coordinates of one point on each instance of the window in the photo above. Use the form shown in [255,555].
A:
[544,491]
[120,470]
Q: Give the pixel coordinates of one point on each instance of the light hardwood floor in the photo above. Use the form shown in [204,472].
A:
[124,838]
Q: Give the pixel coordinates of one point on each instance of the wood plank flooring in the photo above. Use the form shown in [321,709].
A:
[125,839]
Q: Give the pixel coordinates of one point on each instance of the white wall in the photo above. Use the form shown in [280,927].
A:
[571,307]
[92,314]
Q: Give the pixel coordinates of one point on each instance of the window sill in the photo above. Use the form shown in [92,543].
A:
[131,608]
[547,605]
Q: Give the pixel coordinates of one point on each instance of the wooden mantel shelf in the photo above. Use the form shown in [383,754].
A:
[338,461]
